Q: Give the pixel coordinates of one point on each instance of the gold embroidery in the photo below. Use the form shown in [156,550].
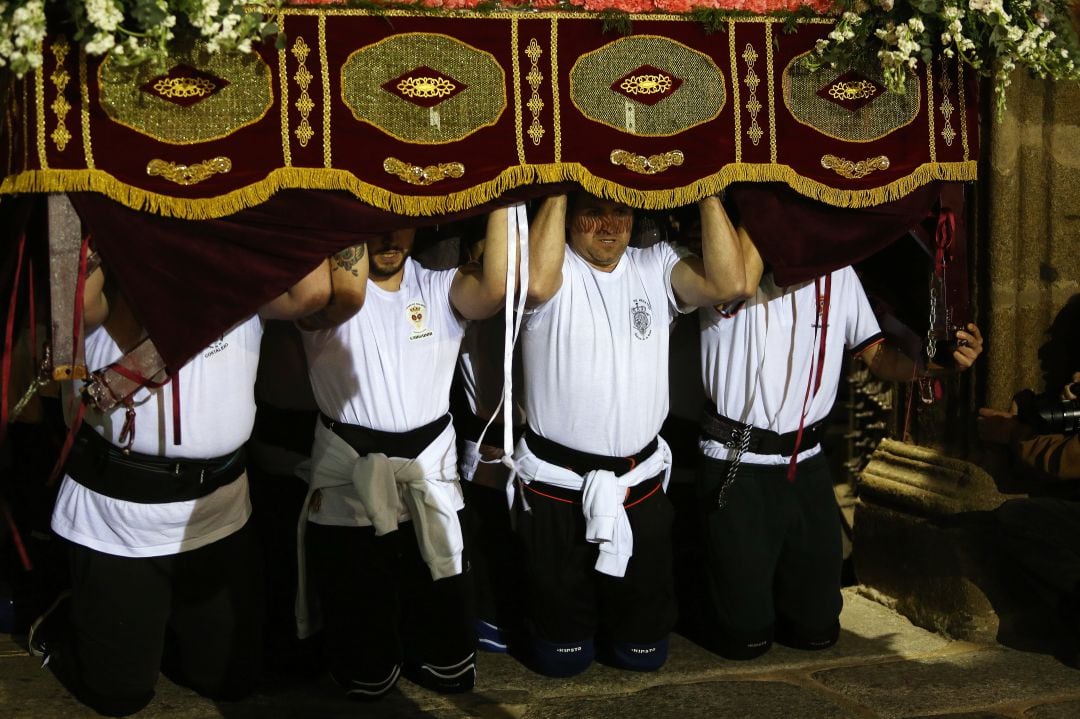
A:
[770,65]
[84,111]
[328,157]
[930,110]
[426,87]
[753,105]
[188,174]
[946,106]
[854,170]
[647,165]
[853,90]
[283,83]
[647,84]
[697,99]
[734,68]
[39,117]
[556,122]
[519,140]
[885,113]
[534,78]
[304,103]
[244,101]
[416,175]
[60,106]
[469,96]
[184,87]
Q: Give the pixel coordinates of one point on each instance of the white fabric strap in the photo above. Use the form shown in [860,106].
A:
[517,246]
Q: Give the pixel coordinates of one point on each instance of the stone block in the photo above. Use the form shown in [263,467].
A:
[935,576]
[926,482]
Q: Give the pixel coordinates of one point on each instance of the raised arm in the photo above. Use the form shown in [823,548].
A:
[306,296]
[547,247]
[753,265]
[719,276]
[478,292]
[348,272]
[889,363]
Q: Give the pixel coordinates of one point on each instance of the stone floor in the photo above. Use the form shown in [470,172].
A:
[882,667]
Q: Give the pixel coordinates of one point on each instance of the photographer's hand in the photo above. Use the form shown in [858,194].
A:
[969,345]
[1000,427]
[1071,391]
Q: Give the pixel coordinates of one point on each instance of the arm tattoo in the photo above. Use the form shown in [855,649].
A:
[347,258]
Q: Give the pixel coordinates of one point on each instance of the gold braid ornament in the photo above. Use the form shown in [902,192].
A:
[854,170]
[188,174]
[647,165]
[416,175]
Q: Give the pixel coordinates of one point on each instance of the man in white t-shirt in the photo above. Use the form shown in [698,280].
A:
[596,523]
[165,567]
[382,532]
[771,368]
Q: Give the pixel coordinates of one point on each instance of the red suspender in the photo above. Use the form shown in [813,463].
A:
[821,331]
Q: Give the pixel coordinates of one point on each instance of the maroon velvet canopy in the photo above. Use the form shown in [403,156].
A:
[189,281]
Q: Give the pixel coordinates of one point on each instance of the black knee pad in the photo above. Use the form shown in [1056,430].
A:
[636,657]
[797,637]
[554,659]
[449,679]
[115,706]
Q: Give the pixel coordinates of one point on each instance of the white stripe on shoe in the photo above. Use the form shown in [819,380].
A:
[374,689]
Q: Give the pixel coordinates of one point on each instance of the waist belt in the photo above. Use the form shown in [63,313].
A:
[582,462]
[408,445]
[762,441]
[147,479]
[637,493]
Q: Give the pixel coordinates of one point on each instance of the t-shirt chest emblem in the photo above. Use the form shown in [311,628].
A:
[215,347]
[416,315]
[641,318]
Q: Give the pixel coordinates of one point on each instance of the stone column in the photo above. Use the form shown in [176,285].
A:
[922,541]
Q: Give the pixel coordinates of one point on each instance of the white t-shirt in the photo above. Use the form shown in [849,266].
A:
[596,354]
[217,412]
[389,367]
[756,364]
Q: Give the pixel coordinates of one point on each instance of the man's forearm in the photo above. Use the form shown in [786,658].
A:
[547,247]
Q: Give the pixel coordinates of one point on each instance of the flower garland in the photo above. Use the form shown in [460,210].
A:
[131,31]
[992,36]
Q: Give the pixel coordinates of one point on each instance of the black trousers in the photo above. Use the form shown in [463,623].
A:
[773,557]
[196,615]
[569,601]
[382,611]
[494,557]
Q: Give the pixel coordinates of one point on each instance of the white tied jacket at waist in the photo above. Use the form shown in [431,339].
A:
[426,489]
[603,493]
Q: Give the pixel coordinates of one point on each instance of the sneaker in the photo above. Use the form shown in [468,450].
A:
[43,632]
[490,638]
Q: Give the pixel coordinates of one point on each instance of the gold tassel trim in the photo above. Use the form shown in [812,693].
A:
[284,178]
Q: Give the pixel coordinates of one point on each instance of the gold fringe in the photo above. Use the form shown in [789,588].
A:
[54,180]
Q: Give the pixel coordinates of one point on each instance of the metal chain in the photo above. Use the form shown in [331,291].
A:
[743,439]
[931,338]
[43,378]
